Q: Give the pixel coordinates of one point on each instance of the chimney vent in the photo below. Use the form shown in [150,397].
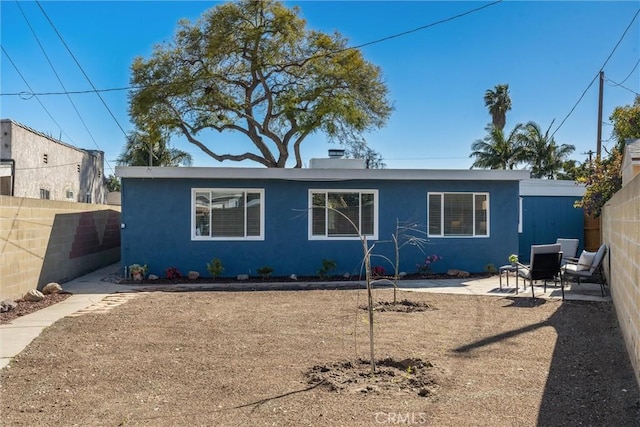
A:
[336,153]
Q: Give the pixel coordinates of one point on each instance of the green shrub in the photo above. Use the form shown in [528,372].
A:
[265,271]
[215,267]
[328,265]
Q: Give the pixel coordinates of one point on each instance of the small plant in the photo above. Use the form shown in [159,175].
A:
[265,271]
[425,268]
[215,267]
[513,258]
[490,268]
[377,271]
[173,273]
[137,271]
[328,265]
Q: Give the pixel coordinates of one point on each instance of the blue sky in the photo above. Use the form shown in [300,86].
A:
[548,53]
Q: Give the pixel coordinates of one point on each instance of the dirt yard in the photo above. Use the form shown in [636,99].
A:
[300,358]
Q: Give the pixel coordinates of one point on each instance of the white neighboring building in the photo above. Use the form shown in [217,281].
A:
[35,165]
[630,161]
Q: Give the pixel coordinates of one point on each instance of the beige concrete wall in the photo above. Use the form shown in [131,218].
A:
[44,240]
[621,232]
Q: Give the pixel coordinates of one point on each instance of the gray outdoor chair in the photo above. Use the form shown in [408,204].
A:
[588,266]
[569,248]
[544,265]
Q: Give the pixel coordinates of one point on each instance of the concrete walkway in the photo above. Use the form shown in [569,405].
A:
[94,293]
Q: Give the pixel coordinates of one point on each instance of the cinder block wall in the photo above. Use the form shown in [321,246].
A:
[621,232]
[43,241]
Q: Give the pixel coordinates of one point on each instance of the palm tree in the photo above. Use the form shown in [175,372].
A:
[150,149]
[545,157]
[495,151]
[499,103]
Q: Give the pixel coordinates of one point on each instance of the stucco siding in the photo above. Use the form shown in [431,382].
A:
[547,218]
[156,214]
[44,163]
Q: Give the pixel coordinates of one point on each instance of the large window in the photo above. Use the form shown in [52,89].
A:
[342,214]
[458,214]
[227,214]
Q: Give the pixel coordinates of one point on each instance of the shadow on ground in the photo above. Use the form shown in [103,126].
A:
[590,366]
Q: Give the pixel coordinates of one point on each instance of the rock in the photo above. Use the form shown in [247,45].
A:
[402,274]
[7,305]
[33,295]
[346,275]
[153,277]
[243,277]
[293,277]
[51,288]
[193,275]
[458,273]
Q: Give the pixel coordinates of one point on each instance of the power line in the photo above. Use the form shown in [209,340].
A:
[629,75]
[28,95]
[36,96]
[393,36]
[620,85]
[598,73]
[80,67]
[424,27]
[59,79]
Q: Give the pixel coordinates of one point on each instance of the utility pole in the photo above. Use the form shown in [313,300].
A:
[590,153]
[599,141]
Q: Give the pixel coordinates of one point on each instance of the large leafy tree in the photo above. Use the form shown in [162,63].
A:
[498,102]
[359,149]
[605,177]
[151,149]
[545,157]
[497,150]
[253,67]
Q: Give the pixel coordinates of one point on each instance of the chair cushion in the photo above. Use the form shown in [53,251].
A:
[598,258]
[585,261]
[524,272]
[569,247]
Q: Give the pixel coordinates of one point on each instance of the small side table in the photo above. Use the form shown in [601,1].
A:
[506,269]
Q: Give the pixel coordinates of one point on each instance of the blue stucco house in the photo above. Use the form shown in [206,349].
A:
[292,219]
[547,213]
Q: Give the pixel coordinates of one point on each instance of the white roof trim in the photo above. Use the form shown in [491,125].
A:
[321,174]
[550,187]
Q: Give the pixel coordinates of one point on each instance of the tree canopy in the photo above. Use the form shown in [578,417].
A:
[253,67]
[497,150]
[151,149]
[498,102]
[605,175]
[525,144]
[545,157]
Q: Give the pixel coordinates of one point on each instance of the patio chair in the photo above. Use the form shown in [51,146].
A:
[569,248]
[544,265]
[588,266]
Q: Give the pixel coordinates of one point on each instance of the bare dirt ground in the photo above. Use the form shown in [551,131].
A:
[301,358]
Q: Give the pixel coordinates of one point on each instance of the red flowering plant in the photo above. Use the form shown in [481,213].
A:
[425,268]
[173,273]
[377,271]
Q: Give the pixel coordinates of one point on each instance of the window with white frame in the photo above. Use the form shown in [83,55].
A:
[342,214]
[458,214]
[227,214]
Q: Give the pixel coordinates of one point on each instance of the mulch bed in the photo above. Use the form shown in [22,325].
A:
[27,307]
[287,279]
